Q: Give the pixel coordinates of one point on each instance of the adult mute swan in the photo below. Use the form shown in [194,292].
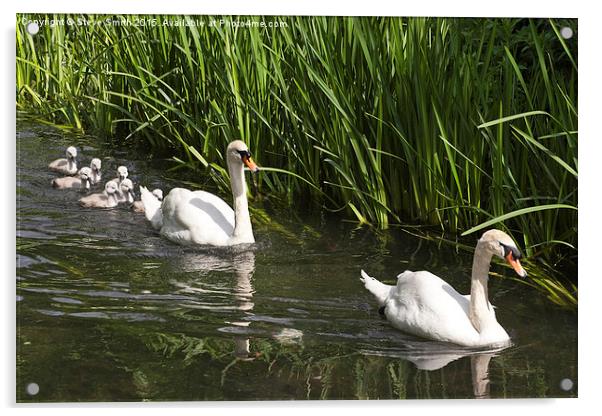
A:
[106,199]
[82,180]
[423,304]
[198,217]
[67,166]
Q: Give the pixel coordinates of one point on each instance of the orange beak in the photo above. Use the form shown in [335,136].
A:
[516,265]
[250,164]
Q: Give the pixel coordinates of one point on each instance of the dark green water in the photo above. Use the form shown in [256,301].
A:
[107,310]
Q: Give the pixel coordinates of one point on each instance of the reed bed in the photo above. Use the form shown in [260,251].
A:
[453,123]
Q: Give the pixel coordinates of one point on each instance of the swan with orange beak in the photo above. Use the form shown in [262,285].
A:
[427,306]
[201,218]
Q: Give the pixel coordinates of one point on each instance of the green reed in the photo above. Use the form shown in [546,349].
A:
[447,122]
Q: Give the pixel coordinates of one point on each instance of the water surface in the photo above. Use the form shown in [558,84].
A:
[107,310]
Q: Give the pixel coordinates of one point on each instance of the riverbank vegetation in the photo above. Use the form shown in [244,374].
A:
[446,122]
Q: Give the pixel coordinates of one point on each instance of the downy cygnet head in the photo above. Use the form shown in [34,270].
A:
[158,193]
[501,244]
[110,188]
[127,188]
[122,172]
[95,165]
[85,174]
[71,152]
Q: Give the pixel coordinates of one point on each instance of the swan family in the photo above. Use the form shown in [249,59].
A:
[421,303]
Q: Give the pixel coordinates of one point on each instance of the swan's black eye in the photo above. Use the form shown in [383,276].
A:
[509,249]
[244,154]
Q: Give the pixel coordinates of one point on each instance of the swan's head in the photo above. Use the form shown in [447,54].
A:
[85,174]
[500,244]
[158,194]
[110,188]
[95,165]
[238,152]
[71,153]
[127,185]
[122,172]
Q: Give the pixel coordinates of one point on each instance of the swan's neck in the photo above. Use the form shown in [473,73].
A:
[480,315]
[95,176]
[71,164]
[111,199]
[243,231]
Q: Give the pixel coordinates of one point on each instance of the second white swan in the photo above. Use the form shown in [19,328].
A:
[199,217]
[425,305]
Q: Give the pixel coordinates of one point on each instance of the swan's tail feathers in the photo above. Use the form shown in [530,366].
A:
[378,289]
[152,208]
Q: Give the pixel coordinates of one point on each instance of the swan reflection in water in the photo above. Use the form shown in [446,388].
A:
[224,296]
[235,298]
[431,356]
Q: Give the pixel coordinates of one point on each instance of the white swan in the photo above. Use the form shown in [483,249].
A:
[67,166]
[127,191]
[198,217]
[82,180]
[95,165]
[106,199]
[138,206]
[423,304]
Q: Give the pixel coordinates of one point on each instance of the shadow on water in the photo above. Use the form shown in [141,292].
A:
[108,310]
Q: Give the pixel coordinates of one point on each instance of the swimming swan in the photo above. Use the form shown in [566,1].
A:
[106,199]
[198,217]
[423,304]
[66,166]
[82,180]
[138,206]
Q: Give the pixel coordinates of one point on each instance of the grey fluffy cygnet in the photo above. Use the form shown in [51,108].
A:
[122,174]
[68,165]
[106,199]
[81,181]
[95,165]
[127,191]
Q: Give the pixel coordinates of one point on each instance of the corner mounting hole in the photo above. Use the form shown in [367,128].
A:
[566,384]
[567,33]
[33,28]
[32,389]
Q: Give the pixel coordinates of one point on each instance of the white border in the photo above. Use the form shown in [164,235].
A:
[589,187]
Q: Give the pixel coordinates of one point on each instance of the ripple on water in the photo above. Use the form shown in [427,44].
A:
[70,301]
